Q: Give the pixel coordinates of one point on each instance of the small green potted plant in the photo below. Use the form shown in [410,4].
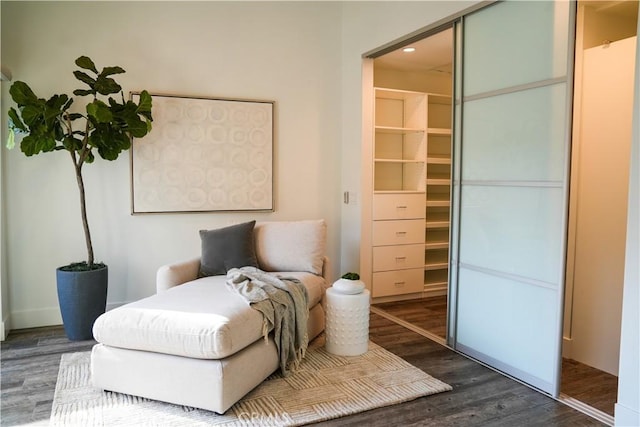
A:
[102,128]
[349,283]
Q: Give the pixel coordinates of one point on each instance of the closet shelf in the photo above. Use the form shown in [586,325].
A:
[438,216]
[436,266]
[397,161]
[438,181]
[397,130]
[437,224]
[434,159]
[398,192]
[440,283]
[439,131]
[436,245]
[439,175]
[438,197]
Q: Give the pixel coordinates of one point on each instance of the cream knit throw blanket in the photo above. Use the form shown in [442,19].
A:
[283,303]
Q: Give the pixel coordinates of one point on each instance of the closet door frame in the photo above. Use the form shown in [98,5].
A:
[457,21]
[553,387]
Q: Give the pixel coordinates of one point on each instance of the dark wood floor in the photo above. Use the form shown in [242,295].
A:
[589,385]
[429,314]
[480,396]
[29,364]
[579,381]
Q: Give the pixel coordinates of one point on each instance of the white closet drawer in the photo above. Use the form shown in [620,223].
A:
[400,257]
[399,206]
[387,283]
[401,232]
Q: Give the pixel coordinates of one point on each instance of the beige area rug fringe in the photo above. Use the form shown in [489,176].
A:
[325,387]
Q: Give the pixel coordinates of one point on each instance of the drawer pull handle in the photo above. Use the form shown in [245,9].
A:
[401,233]
[398,258]
[401,207]
[399,284]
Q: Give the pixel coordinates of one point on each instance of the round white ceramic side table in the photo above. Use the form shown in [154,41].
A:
[347,323]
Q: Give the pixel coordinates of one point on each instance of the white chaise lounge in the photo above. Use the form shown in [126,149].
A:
[196,342]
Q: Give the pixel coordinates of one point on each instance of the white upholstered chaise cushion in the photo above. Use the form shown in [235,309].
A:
[291,245]
[201,319]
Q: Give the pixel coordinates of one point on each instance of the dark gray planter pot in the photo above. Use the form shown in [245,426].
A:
[83,297]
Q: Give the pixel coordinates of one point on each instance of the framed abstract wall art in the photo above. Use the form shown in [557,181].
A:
[204,155]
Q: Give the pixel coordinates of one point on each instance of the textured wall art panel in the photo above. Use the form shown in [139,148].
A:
[204,155]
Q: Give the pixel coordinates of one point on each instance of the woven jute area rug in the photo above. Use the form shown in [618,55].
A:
[325,387]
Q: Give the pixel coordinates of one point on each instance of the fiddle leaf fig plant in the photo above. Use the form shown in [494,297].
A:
[104,127]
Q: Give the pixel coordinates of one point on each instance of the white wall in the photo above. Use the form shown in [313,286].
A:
[627,409]
[304,55]
[602,174]
[4,286]
[288,52]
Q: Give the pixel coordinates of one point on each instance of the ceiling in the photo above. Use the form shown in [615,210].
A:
[434,53]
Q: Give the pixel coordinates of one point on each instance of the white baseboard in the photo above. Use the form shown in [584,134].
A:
[566,347]
[24,319]
[5,327]
[626,416]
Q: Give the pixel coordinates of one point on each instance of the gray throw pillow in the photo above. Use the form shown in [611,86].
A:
[226,248]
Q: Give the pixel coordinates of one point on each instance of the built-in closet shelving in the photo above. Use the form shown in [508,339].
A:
[400,153]
[438,194]
[411,200]
[400,141]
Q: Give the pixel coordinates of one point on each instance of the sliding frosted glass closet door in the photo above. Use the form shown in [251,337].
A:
[511,187]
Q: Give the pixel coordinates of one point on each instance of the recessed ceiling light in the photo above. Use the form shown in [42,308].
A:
[409,49]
